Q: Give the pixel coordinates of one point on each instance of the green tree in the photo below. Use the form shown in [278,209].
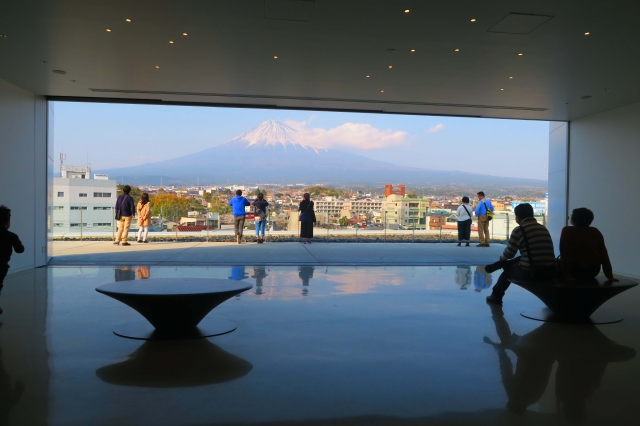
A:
[170,205]
[219,205]
[412,195]
[343,221]
[227,191]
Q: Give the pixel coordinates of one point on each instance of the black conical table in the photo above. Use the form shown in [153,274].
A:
[175,308]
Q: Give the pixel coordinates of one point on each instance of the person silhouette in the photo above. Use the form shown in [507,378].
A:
[10,394]
[463,276]
[305,273]
[259,273]
[582,354]
[238,273]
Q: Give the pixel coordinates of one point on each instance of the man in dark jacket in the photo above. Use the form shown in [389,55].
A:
[238,203]
[125,212]
[8,243]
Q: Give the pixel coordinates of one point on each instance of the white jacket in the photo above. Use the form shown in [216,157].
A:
[462,214]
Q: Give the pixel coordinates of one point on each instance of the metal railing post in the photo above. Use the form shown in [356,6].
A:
[507,226]
[80,223]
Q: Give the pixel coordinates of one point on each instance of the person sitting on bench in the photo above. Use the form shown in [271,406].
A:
[582,249]
[537,258]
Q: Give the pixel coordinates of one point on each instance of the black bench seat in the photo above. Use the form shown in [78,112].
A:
[573,301]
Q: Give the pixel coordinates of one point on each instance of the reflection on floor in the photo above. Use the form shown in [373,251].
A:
[315,345]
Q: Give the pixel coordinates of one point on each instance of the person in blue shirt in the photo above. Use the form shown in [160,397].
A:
[238,203]
[484,205]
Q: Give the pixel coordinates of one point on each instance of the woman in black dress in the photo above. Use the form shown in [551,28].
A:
[307,218]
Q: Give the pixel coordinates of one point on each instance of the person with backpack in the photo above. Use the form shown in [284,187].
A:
[464,222]
[238,203]
[260,205]
[307,218]
[484,213]
[125,212]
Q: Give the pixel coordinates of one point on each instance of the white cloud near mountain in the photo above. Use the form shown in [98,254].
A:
[352,135]
[435,129]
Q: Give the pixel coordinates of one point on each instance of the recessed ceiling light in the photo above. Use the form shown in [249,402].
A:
[473,19]
[501,88]
[456,50]
[59,72]
[368,76]
[275,57]
[108,30]
[185,34]
[170,41]
[607,90]
[3,36]
[382,91]
[390,66]
[587,33]
[407,11]
[519,54]
[510,78]
[128,20]
[157,66]
[413,50]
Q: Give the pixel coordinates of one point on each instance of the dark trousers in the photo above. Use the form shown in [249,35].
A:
[510,269]
[238,225]
[464,230]
[4,269]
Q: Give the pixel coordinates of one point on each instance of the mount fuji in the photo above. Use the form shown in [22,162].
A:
[276,153]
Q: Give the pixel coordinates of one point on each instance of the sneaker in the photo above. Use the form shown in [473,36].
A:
[139,241]
[116,243]
[467,245]
[459,245]
[126,244]
[494,299]
[145,241]
[482,245]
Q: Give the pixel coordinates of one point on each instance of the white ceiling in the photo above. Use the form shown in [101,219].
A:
[227,57]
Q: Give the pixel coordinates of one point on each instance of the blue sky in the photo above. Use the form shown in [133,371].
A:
[116,135]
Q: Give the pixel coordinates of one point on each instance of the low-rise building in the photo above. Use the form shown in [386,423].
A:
[405,212]
[79,201]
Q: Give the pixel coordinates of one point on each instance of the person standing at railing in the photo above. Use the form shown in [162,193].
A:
[484,213]
[260,205]
[307,218]
[238,203]
[144,217]
[464,213]
[125,212]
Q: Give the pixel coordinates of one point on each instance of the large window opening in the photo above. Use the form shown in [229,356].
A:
[371,176]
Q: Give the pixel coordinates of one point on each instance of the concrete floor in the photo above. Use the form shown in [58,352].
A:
[315,345]
[200,253]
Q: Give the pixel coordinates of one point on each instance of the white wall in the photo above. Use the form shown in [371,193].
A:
[604,174]
[23,183]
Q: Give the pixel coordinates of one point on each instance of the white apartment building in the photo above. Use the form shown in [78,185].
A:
[81,201]
[349,208]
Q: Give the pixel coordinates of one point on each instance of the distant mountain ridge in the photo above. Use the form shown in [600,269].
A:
[275,153]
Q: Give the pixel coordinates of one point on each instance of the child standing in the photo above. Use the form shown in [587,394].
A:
[8,242]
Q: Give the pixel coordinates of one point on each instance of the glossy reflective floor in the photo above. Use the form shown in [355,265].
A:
[314,346]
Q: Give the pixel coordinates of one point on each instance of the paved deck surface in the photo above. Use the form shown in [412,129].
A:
[201,253]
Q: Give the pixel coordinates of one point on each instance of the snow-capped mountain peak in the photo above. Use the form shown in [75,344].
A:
[272,133]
